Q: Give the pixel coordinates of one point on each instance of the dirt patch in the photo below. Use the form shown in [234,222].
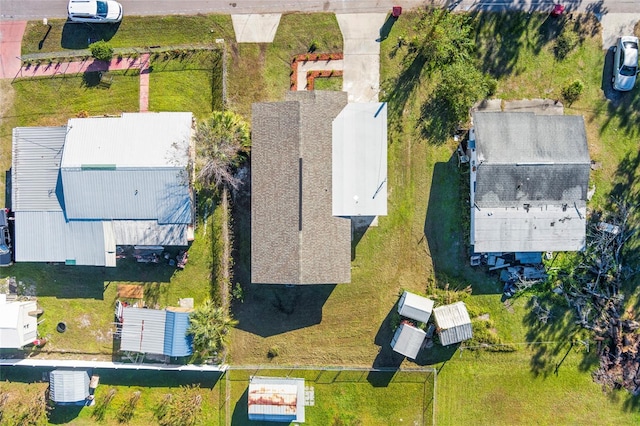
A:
[483,317]
[6,101]
[84,321]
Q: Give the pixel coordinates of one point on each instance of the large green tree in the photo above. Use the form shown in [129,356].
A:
[209,326]
[222,142]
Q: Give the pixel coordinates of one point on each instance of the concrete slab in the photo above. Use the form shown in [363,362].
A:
[11,33]
[360,31]
[615,25]
[537,106]
[255,28]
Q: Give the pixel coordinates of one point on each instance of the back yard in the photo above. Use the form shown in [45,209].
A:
[420,246]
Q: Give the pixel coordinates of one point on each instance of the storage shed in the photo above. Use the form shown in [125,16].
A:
[274,399]
[453,323]
[18,323]
[153,331]
[407,340]
[69,386]
[415,307]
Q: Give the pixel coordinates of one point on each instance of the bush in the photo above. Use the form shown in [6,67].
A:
[273,352]
[572,92]
[101,50]
[565,43]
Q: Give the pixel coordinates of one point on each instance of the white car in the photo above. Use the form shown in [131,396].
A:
[95,11]
[625,63]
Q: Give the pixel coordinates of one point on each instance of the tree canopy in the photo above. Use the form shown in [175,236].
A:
[209,326]
[222,142]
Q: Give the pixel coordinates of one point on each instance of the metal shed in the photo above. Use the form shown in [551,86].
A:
[143,330]
[69,386]
[407,340]
[176,340]
[415,307]
[274,399]
[453,322]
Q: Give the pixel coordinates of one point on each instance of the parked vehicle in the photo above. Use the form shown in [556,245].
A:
[95,11]
[5,240]
[625,63]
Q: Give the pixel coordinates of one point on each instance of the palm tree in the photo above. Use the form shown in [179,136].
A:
[209,326]
[222,142]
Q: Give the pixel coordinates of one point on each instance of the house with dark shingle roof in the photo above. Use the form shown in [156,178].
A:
[529,182]
[295,239]
[316,161]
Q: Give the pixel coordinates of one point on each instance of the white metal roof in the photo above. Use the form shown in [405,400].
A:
[415,307]
[158,139]
[17,327]
[69,385]
[36,158]
[143,330]
[407,340]
[276,399]
[549,228]
[454,324]
[359,160]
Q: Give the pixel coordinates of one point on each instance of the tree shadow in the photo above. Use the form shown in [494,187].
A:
[80,36]
[551,342]
[287,308]
[398,90]
[623,106]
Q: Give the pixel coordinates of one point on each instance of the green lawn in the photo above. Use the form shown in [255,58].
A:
[347,397]
[22,384]
[133,31]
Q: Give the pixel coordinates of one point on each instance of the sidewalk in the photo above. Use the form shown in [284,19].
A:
[11,33]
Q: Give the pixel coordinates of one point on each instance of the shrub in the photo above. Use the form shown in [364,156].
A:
[101,50]
[273,352]
[572,92]
[565,43]
[313,46]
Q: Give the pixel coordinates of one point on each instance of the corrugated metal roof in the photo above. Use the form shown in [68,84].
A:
[551,228]
[407,340]
[276,399]
[415,307]
[359,160]
[295,237]
[143,330]
[144,193]
[176,340]
[36,157]
[47,237]
[159,139]
[149,233]
[69,385]
[453,323]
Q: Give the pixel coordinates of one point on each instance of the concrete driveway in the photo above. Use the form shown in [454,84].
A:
[615,25]
[360,32]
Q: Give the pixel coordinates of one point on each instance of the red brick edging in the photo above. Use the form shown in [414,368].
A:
[312,75]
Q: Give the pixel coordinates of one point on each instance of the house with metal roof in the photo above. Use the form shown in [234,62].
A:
[154,331]
[407,340]
[69,386]
[274,399]
[453,324]
[18,323]
[416,307]
[316,161]
[529,182]
[80,190]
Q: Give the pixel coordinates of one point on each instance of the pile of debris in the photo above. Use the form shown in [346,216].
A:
[592,290]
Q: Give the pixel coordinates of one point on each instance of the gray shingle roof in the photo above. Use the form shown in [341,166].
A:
[295,238]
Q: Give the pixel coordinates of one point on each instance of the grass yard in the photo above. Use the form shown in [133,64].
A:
[331,83]
[133,31]
[346,397]
[191,81]
[23,384]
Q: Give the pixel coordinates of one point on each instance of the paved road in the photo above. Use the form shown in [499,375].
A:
[38,9]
